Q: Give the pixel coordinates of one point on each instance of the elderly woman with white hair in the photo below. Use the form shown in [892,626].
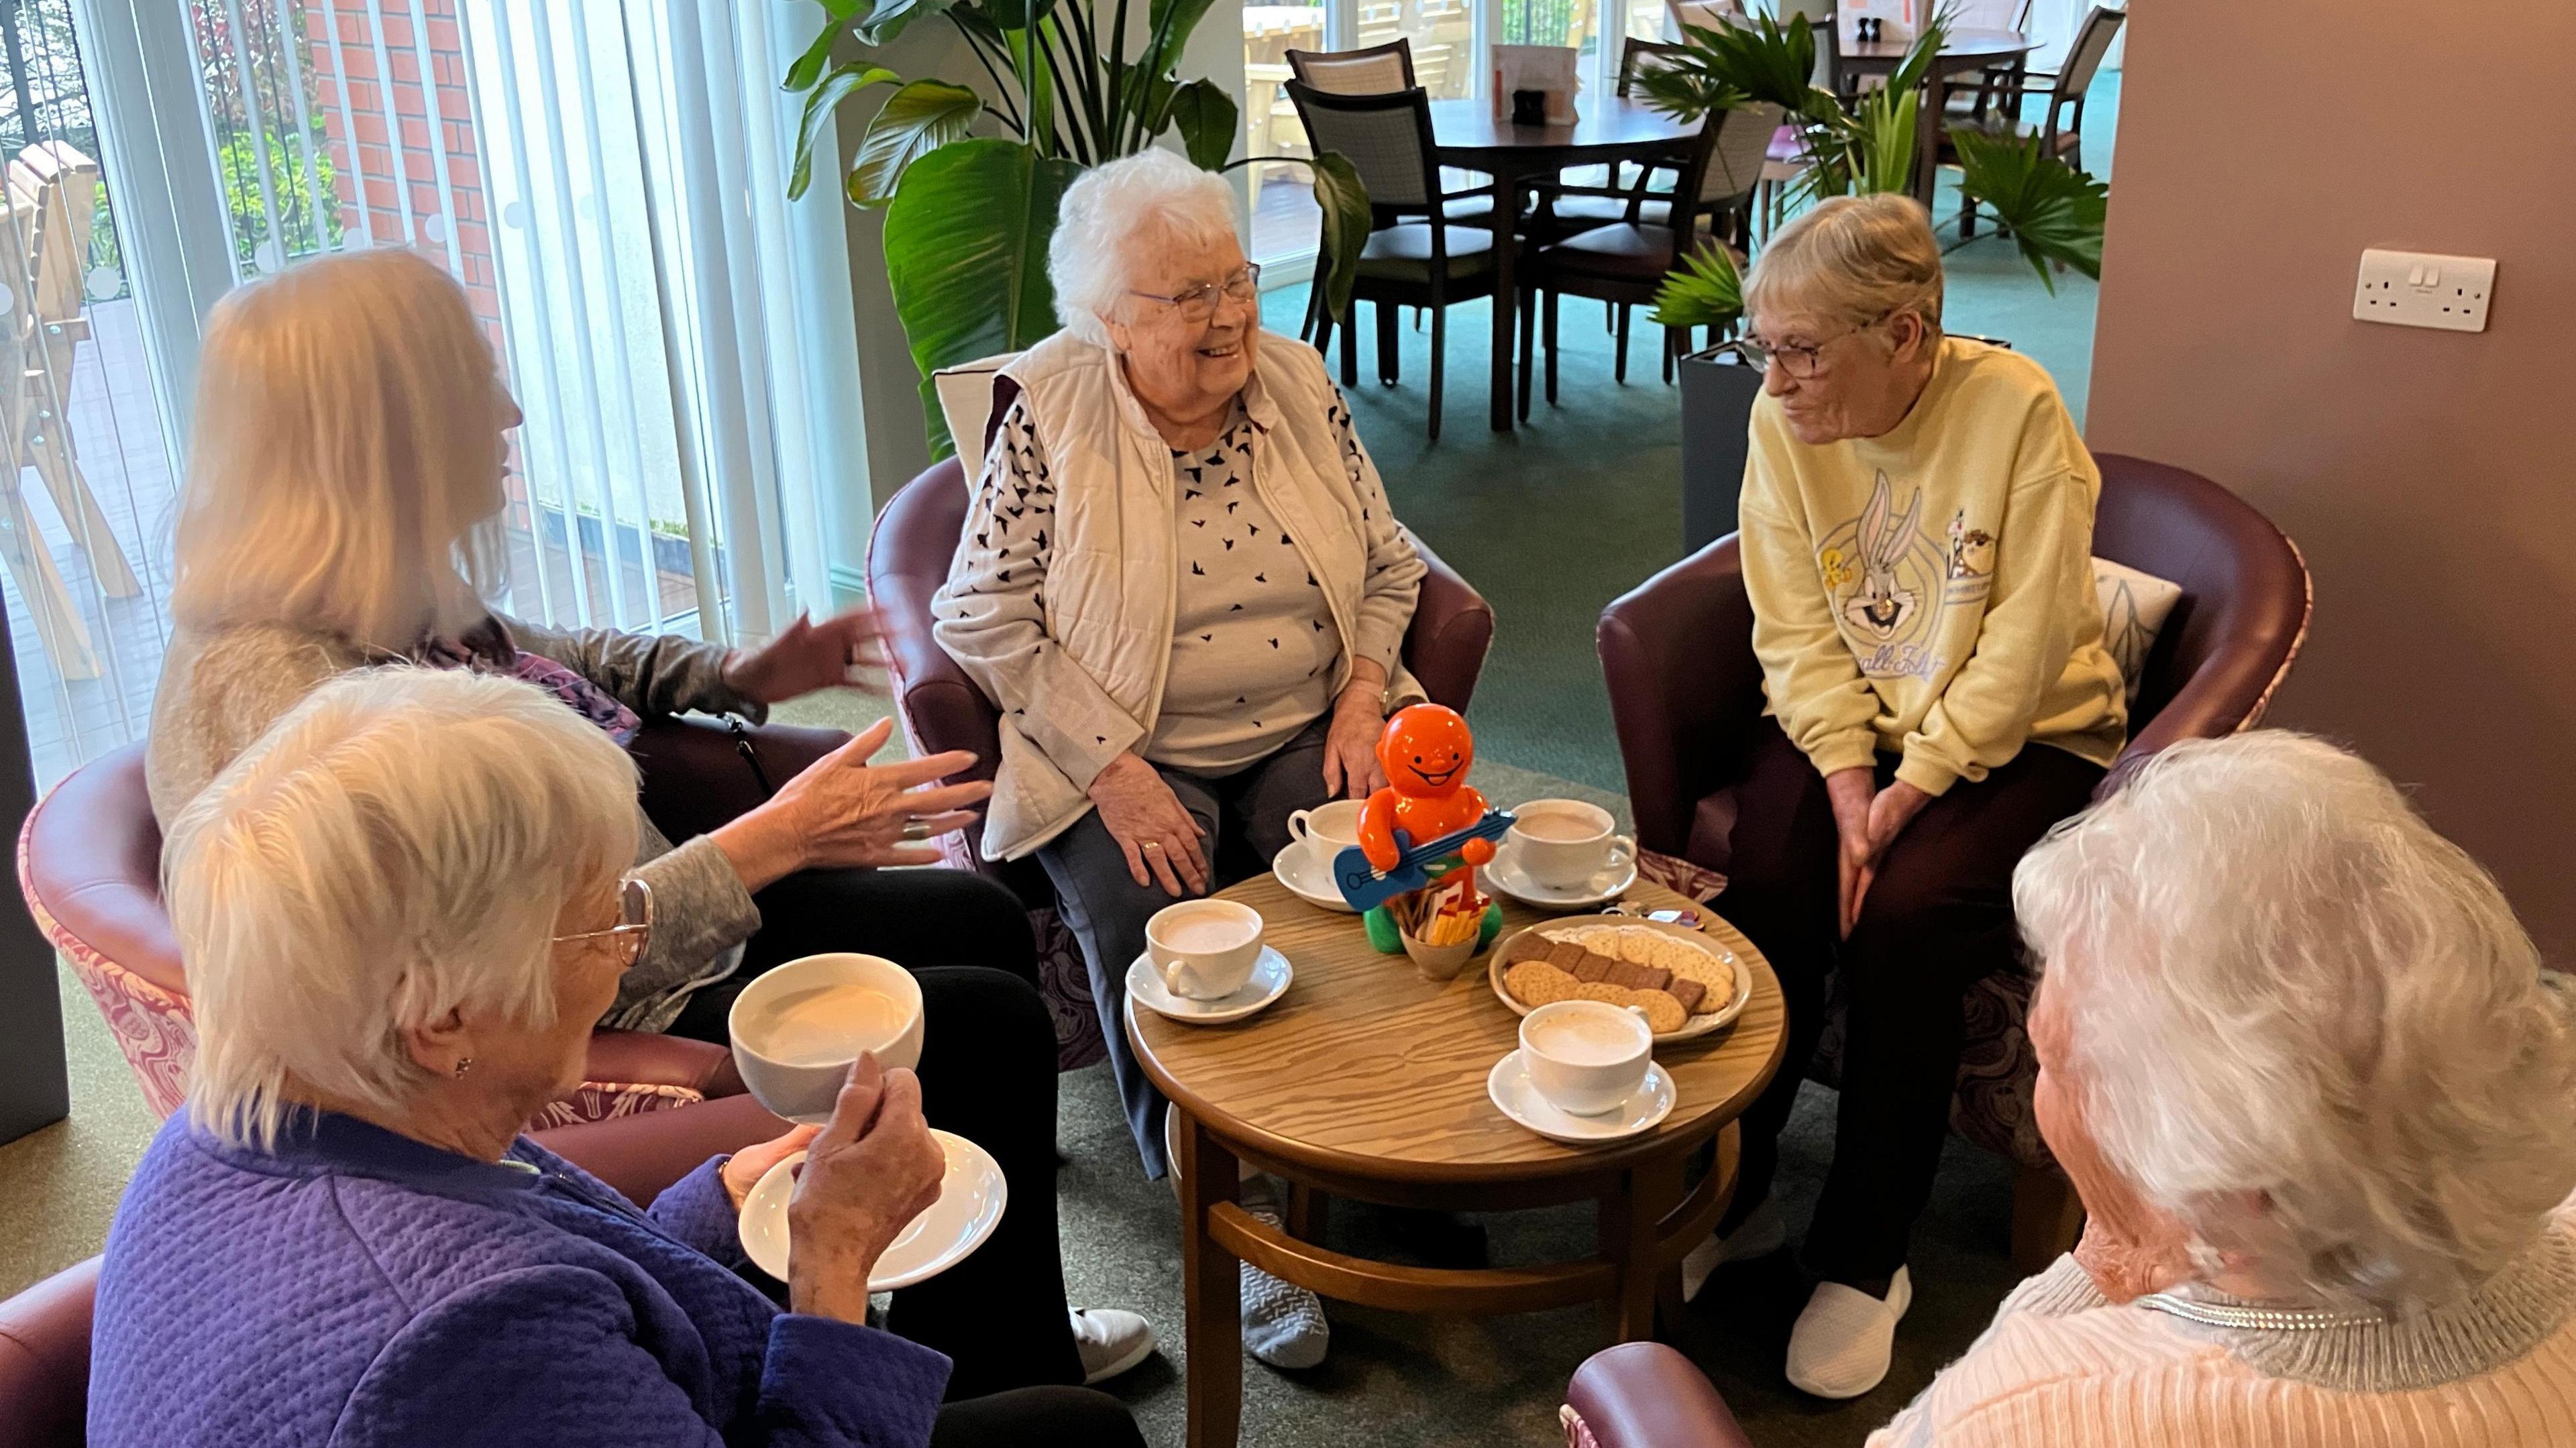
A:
[343,510]
[402,908]
[1180,582]
[1916,531]
[2306,1072]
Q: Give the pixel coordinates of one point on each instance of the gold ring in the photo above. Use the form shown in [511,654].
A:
[1153,844]
[916,830]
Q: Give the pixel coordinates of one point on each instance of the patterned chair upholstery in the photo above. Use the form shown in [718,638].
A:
[89,864]
[943,709]
[1686,690]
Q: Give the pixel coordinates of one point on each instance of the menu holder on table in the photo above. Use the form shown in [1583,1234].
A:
[1553,72]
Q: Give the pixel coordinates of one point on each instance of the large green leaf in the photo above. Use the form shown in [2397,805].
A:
[890,18]
[1345,204]
[966,245]
[917,120]
[1881,141]
[809,66]
[1017,14]
[1707,291]
[1765,60]
[818,113]
[2054,212]
[1206,118]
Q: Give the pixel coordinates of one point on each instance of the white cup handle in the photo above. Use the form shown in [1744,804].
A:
[1298,827]
[1638,1011]
[1623,847]
[1172,976]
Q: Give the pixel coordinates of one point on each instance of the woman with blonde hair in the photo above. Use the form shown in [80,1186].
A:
[1917,530]
[342,510]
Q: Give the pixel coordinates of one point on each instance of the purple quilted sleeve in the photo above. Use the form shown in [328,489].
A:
[696,1210]
[556,1355]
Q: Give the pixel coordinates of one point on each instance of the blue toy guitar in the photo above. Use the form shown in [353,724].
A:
[1365,888]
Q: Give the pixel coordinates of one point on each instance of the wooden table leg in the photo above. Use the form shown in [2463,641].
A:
[1507,210]
[1626,1230]
[1209,1291]
[1659,1191]
[1308,1210]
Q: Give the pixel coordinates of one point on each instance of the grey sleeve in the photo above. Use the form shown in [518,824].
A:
[700,910]
[652,674]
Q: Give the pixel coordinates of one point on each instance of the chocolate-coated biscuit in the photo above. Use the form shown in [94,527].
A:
[1688,991]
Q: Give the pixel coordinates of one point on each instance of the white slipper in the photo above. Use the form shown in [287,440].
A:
[1110,1341]
[1841,1345]
[1760,1234]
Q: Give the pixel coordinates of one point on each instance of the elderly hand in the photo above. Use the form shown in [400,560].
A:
[1161,839]
[1889,814]
[867,1175]
[1852,792]
[1350,741]
[743,1170]
[807,657]
[844,811]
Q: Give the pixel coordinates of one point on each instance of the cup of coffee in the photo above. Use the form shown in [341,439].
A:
[1205,949]
[798,1028]
[1586,1057]
[1326,830]
[1560,843]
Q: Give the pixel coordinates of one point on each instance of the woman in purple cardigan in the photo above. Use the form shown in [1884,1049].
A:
[402,909]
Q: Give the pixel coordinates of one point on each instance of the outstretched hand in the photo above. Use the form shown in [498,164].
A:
[808,656]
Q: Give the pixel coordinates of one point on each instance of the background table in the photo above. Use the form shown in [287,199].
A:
[1468,135]
[1961,50]
[1367,1081]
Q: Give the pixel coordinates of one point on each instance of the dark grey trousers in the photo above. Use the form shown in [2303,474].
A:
[1245,815]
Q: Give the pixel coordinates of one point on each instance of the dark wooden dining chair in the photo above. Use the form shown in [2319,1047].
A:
[1589,196]
[2060,131]
[1380,70]
[1418,254]
[1625,262]
[1994,83]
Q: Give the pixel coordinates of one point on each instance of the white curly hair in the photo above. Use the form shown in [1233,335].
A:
[1105,215]
[2306,1023]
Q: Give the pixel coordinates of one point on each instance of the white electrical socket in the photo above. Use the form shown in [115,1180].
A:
[2419,289]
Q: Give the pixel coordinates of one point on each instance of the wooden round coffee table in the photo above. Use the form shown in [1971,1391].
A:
[1368,1082]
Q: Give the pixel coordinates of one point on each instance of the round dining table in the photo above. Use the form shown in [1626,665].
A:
[1468,135]
[1963,50]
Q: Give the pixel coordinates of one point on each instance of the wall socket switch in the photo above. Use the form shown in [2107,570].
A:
[2419,289]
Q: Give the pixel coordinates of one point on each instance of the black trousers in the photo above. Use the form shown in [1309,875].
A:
[1937,919]
[987,1073]
[1059,1417]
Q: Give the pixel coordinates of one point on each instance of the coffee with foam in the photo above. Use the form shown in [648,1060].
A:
[1588,1039]
[826,1024]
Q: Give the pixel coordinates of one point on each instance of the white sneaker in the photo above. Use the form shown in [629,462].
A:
[1283,1324]
[1110,1341]
[1759,1235]
[1842,1342]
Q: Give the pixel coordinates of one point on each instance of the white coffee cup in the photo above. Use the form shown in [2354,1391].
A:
[1560,843]
[1205,949]
[798,1028]
[1586,1057]
[1326,830]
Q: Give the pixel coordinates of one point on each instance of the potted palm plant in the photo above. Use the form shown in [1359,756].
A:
[970,180]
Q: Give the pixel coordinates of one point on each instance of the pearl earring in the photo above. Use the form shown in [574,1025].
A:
[463,1065]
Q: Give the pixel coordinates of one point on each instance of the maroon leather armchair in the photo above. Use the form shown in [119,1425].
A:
[1686,694]
[943,709]
[1644,1395]
[89,864]
[44,1331]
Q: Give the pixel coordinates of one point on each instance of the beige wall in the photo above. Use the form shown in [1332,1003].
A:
[2262,145]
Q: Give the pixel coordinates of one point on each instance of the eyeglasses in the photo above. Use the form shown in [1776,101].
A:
[1199,302]
[634,921]
[1801,362]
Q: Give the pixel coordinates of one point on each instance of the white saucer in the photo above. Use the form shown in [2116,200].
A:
[1270,977]
[971,1198]
[1607,883]
[1309,879]
[1644,1110]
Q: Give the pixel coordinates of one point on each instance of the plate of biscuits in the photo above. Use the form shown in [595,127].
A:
[1687,984]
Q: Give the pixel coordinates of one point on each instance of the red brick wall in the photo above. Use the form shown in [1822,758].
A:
[386,112]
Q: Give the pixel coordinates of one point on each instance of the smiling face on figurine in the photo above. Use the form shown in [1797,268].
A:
[1426,751]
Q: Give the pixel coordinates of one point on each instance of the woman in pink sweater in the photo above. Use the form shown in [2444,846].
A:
[2307,1074]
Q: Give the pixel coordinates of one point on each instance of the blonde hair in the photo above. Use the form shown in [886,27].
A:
[346,448]
[2286,988]
[1851,260]
[395,847]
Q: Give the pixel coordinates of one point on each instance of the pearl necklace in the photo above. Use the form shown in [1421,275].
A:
[2257,1319]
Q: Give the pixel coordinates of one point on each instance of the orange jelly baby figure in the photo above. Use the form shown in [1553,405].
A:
[1425,751]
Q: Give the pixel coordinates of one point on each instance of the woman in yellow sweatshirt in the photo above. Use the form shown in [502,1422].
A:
[1916,531]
